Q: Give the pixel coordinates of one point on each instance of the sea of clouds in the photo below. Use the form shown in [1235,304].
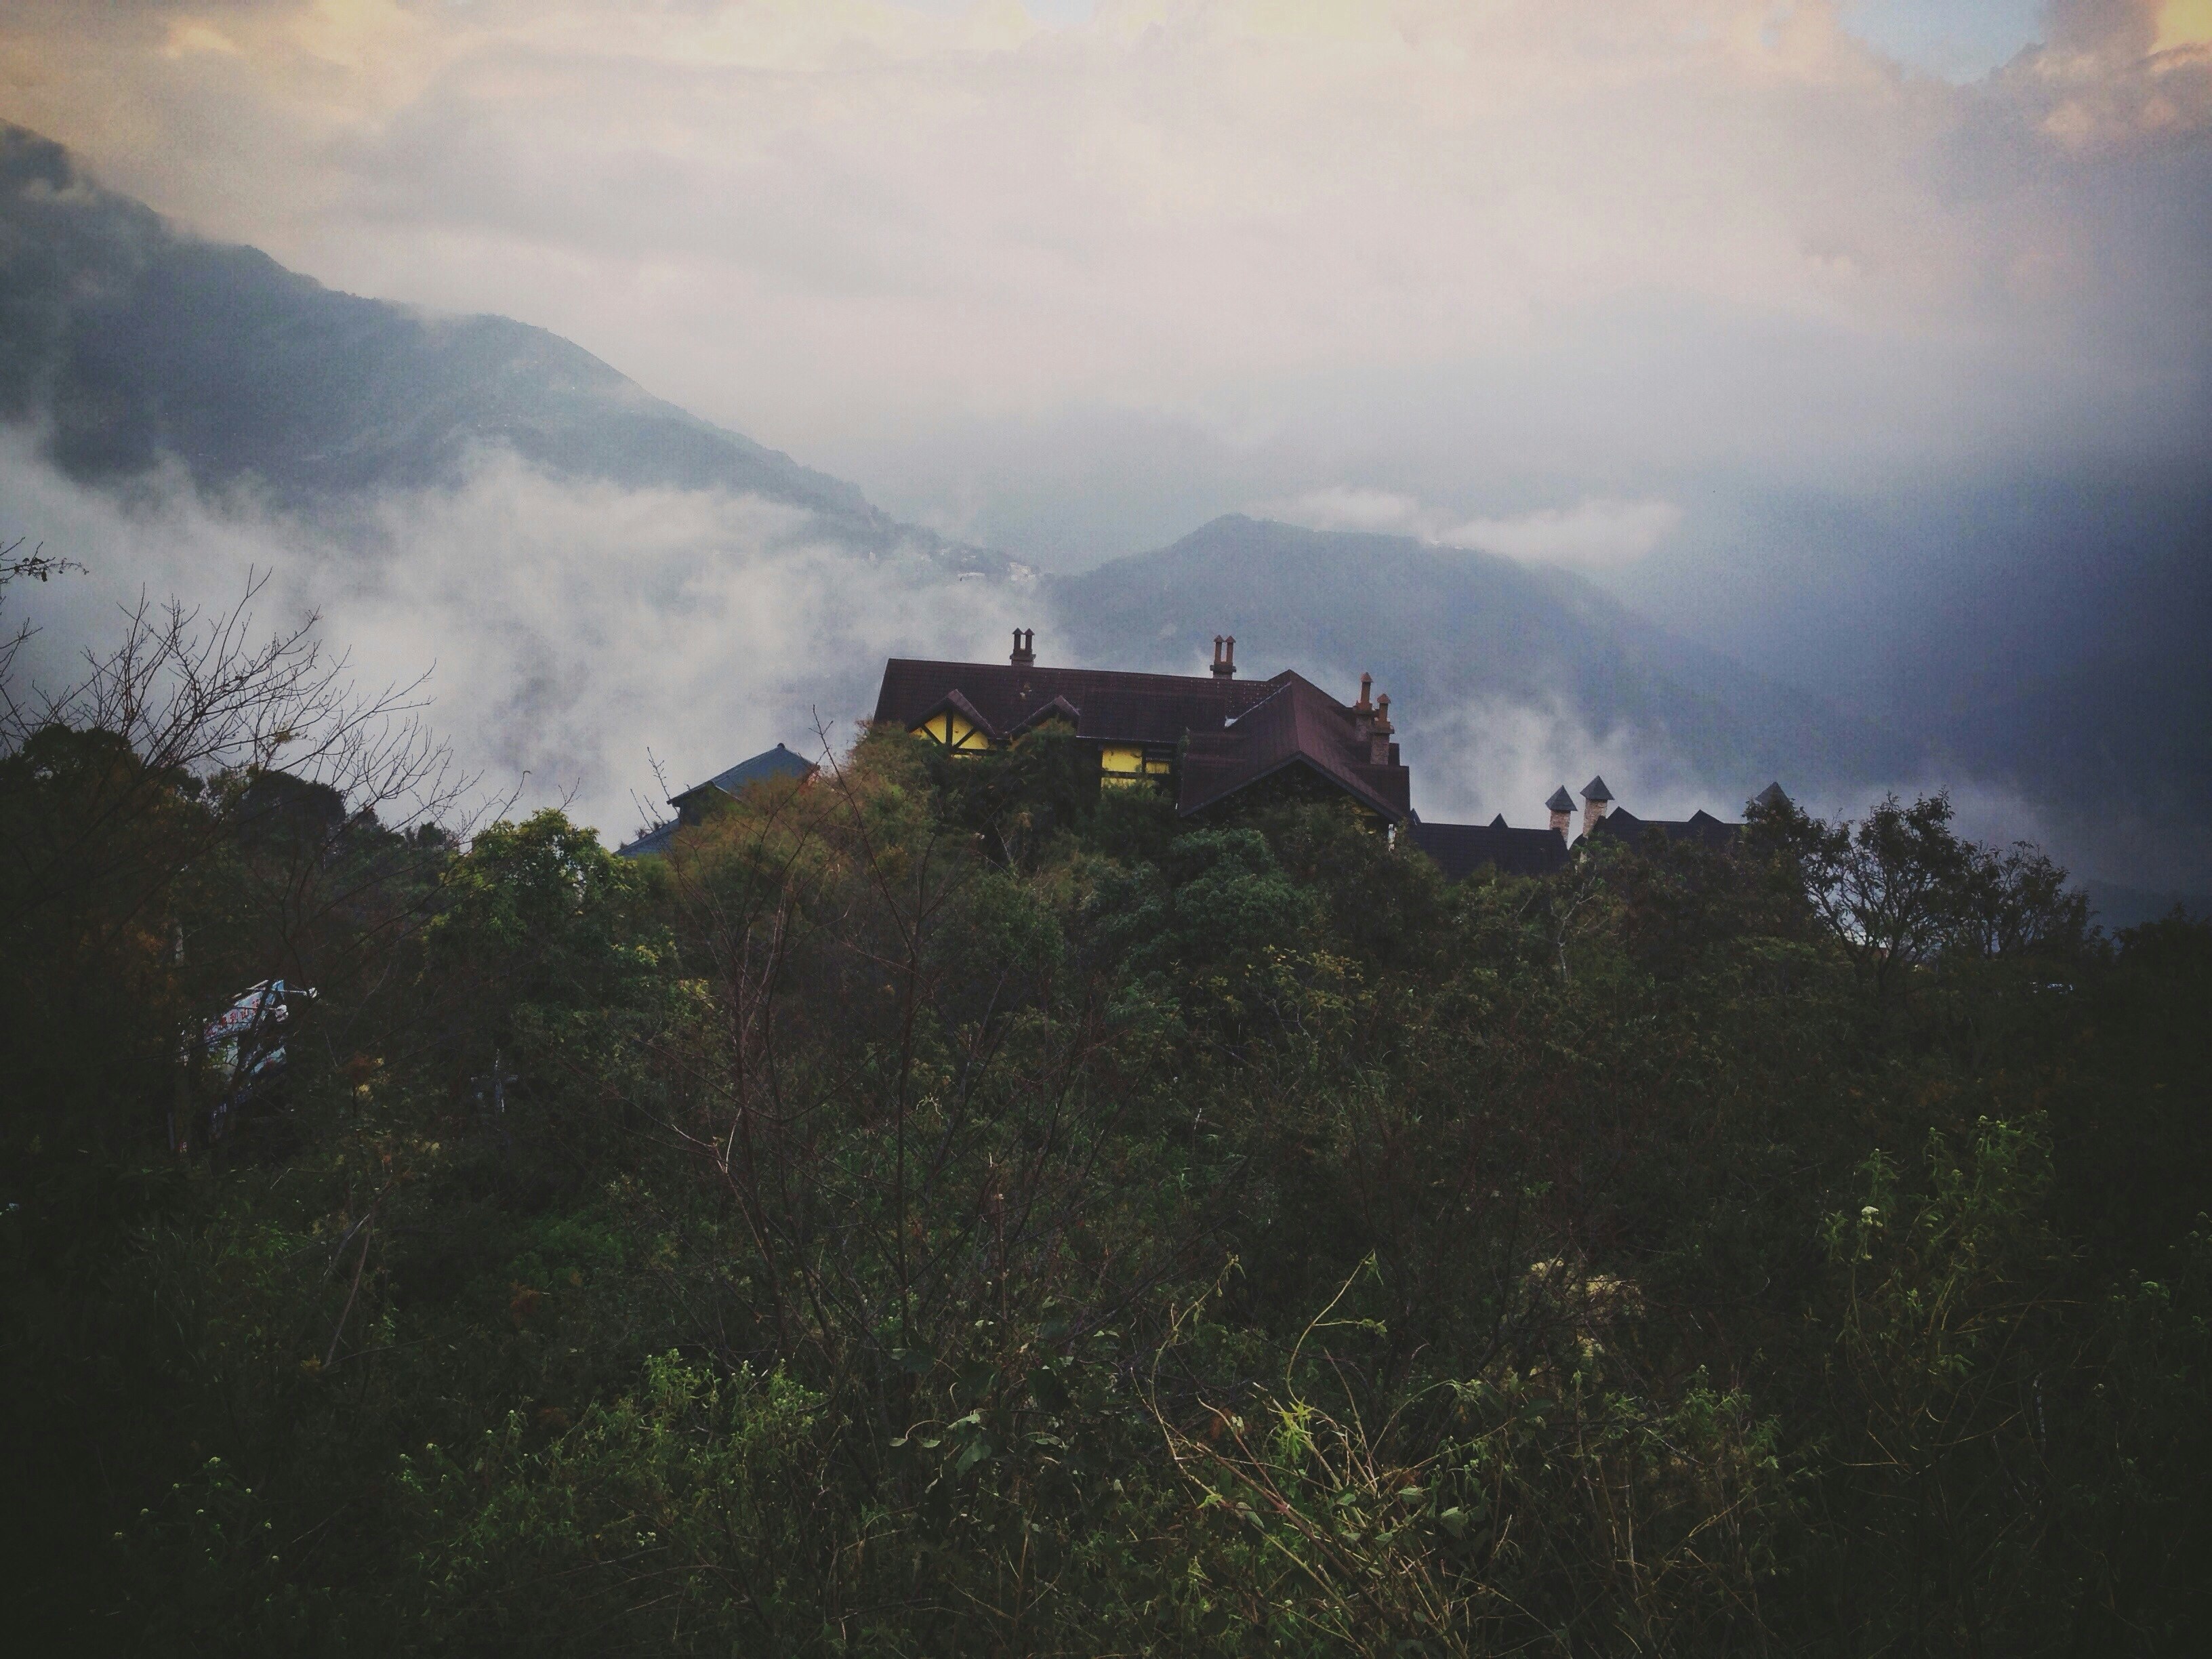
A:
[574,633]
[586,643]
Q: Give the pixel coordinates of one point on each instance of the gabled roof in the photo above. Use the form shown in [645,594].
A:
[1104,704]
[968,711]
[1460,849]
[1234,732]
[1700,826]
[776,762]
[1058,709]
[1296,725]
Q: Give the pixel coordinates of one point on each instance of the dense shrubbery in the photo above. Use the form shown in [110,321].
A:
[937,1211]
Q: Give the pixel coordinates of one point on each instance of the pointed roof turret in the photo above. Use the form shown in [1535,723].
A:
[1595,790]
[1561,801]
[1771,798]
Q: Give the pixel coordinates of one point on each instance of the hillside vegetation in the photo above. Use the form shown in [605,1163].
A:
[946,1210]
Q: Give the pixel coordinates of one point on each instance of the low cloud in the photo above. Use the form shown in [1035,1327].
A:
[1592,535]
[1598,534]
[1345,506]
[1493,755]
[568,628]
[1457,247]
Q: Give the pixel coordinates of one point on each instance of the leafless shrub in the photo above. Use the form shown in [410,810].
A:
[197,704]
[197,695]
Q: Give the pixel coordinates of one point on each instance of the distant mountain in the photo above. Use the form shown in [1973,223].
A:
[133,340]
[1443,628]
[2043,634]
[128,341]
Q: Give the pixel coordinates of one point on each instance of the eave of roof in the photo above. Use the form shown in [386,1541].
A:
[653,843]
[1701,826]
[1298,723]
[1459,849]
[776,762]
[1107,705]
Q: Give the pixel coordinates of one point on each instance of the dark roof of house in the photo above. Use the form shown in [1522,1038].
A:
[1295,724]
[1561,801]
[1004,699]
[1595,790]
[1460,849]
[776,762]
[1239,730]
[1770,796]
[1700,826]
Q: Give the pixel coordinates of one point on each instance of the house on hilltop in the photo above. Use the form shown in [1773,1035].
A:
[1603,815]
[1461,849]
[1207,741]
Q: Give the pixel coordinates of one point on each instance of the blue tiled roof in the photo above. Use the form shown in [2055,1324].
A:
[776,762]
[653,843]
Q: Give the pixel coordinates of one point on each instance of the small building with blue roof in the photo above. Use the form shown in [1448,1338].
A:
[694,805]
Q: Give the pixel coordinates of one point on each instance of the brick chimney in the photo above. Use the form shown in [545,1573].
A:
[1224,656]
[1597,801]
[1562,809]
[1378,733]
[1025,654]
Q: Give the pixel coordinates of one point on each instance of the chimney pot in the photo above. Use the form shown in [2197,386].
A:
[1224,656]
[1024,647]
[1597,801]
[1561,806]
[1378,733]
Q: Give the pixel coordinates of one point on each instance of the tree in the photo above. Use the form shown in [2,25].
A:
[1900,890]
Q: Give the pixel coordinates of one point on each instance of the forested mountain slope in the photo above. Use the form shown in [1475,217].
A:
[951,1209]
[132,339]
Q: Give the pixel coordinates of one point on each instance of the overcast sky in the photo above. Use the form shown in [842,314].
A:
[1073,278]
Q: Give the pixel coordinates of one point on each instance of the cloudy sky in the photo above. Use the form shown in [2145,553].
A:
[1072,278]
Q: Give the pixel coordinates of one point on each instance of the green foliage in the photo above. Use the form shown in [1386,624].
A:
[948,1208]
[681,1517]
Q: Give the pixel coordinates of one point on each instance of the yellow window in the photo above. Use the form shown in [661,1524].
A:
[1128,763]
[955,732]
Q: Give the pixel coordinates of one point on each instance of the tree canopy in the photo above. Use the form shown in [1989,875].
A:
[943,1208]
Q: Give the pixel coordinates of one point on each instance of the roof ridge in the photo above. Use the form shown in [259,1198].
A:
[1188,682]
[1255,709]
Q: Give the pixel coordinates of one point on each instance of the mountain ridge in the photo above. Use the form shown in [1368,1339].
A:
[132,341]
[1442,626]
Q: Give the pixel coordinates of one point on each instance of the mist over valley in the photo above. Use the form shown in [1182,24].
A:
[1137,827]
[596,574]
